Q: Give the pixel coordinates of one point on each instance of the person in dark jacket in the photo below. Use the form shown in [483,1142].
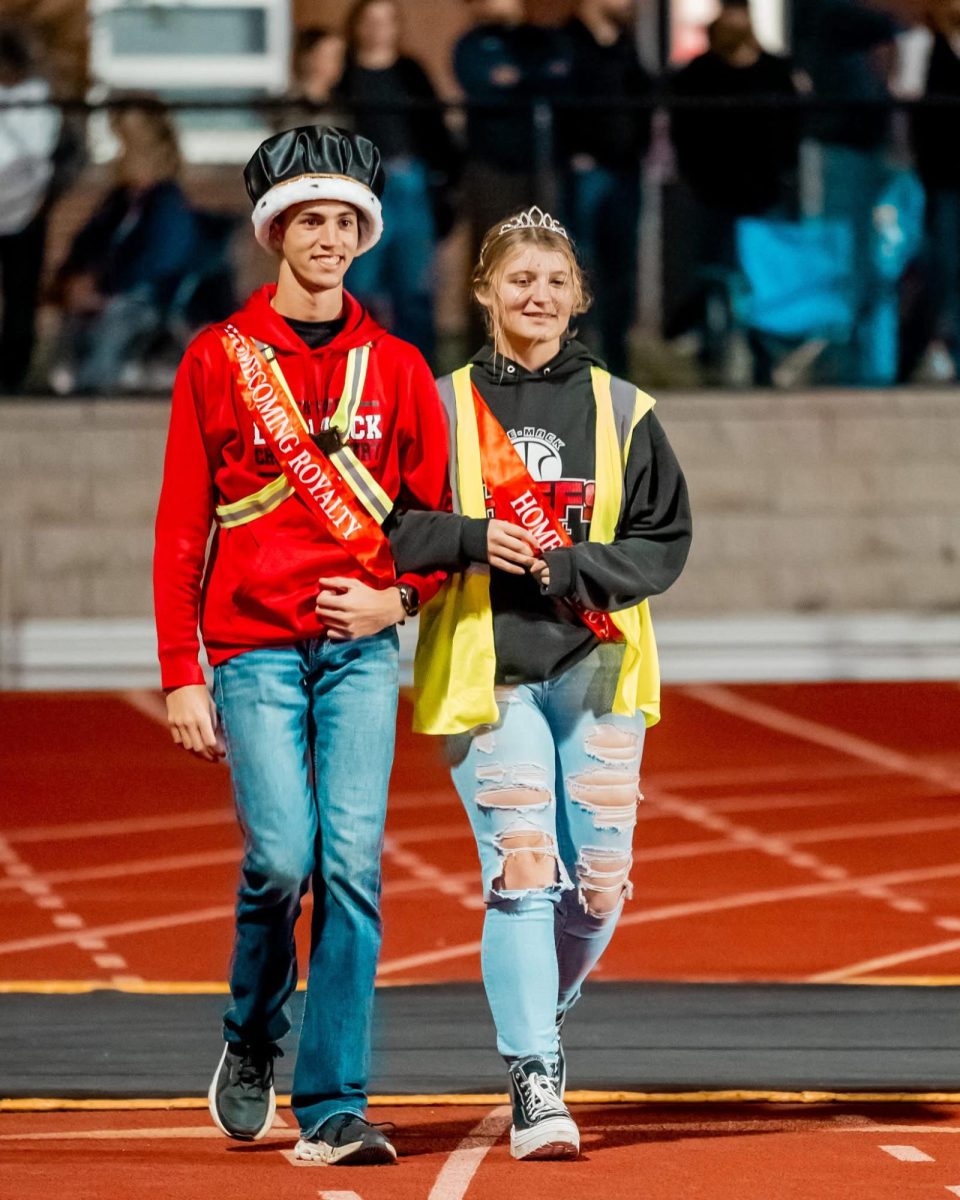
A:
[602,149]
[505,66]
[538,661]
[379,86]
[125,264]
[934,133]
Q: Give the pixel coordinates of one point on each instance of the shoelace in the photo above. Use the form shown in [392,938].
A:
[255,1070]
[540,1096]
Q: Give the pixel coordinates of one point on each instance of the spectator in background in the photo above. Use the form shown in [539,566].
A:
[29,138]
[602,149]
[504,65]
[125,264]
[848,48]
[379,84]
[935,139]
[318,62]
[737,161]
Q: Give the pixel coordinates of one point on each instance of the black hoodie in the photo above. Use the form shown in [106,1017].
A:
[550,417]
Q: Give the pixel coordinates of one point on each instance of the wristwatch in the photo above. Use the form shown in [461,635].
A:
[409,598]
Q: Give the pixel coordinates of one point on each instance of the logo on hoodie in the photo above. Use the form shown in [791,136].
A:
[540,451]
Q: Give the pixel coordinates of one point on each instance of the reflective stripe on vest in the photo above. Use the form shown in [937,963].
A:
[455,664]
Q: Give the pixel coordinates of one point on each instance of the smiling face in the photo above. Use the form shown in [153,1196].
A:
[318,240]
[530,298]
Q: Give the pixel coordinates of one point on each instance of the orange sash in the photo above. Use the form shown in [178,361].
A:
[517,498]
[310,473]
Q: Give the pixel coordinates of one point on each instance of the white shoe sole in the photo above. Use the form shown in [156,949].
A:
[212,1105]
[353,1154]
[555,1138]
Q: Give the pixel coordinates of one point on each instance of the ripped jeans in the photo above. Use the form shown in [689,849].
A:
[551,792]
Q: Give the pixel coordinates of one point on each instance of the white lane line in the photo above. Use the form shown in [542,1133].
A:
[877,829]
[776,895]
[21,875]
[823,735]
[429,875]
[428,958]
[907,1154]
[954,1191]
[122,1135]
[121,825]
[888,960]
[758,776]
[951,923]
[148,925]
[138,867]
[338,1195]
[458,1171]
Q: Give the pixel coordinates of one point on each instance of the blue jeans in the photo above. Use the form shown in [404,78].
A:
[852,183]
[310,734]
[396,278]
[555,780]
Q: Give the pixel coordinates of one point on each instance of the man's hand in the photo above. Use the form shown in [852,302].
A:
[192,717]
[351,609]
[510,547]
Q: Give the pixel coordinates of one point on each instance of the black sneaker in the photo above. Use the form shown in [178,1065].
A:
[542,1125]
[349,1139]
[241,1096]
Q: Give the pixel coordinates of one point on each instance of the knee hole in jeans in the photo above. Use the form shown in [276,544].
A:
[529,860]
[520,785]
[603,878]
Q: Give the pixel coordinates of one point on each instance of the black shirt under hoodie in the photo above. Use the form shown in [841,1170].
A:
[550,417]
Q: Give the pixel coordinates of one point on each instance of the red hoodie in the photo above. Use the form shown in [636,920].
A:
[260,583]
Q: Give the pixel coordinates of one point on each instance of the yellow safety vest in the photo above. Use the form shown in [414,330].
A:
[455,664]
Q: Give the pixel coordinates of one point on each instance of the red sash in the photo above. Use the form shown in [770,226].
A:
[310,473]
[517,498]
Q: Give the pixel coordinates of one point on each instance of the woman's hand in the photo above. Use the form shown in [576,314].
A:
[510,547]
[351,609]
[541,573]
[193,721]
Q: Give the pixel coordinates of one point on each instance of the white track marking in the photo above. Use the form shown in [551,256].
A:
[823,735]
[21,875]
[429,875]
[776,895]
[876,829]
[200,1132]
[122,929]
[951,923]
[137,867]
[907,1154]
[752,776]
[458,1171]
[887,960]
[427,958]
[338,1196]
[954,1191]
[121,825]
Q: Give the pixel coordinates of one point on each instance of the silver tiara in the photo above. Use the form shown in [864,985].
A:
[534,218]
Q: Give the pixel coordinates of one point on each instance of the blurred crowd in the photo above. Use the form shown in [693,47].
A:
[807,227]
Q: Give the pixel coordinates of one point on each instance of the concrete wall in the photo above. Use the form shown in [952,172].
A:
[823,502]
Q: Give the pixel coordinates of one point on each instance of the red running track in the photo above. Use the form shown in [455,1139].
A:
[709,1152]
[789,832]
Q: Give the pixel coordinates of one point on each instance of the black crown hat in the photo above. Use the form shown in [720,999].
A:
[316,162]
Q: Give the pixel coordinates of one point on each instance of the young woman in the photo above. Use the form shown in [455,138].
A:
[538,659]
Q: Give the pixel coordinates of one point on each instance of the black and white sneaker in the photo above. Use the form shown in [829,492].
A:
[241,1096]
[348,1139]
[542,1125]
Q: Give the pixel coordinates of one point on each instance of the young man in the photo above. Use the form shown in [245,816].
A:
[298,425]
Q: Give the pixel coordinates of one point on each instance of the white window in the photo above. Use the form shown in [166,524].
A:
[230,52]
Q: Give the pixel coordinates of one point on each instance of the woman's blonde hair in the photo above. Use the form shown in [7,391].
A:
[495,251]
